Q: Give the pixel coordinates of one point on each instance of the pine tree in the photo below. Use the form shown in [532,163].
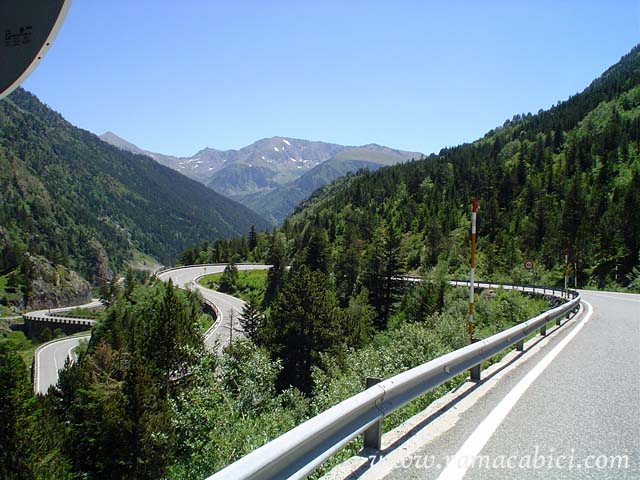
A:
[382,266]
[303,322]
[277,271]
[251,318]
[317,253]
[229,280]
[253,238]
[14,392]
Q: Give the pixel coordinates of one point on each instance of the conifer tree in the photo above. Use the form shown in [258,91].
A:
[277,271]
[303,322]
[251,318]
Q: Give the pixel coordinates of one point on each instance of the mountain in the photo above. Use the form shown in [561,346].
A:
[277,204]
[278,159]
[565,181]
[269,163]
[82,203]
[274,174]
[199,167]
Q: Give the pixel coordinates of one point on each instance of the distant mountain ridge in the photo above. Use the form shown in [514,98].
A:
[275,205]
[273,175]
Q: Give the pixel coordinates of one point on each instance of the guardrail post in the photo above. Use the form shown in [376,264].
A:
[543,330]
[373,434]
[474,372]
[520,346]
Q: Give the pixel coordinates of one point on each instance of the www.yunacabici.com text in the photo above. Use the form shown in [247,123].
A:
[537,460]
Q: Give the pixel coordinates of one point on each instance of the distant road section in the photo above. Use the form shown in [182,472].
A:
[186,277]
[49,315]
[50,358]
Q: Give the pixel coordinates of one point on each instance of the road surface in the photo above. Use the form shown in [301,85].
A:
[218,336]
[568,410]
[50,358]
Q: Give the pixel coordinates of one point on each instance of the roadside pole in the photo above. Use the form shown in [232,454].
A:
[566,276]
[474,372]
[474,209]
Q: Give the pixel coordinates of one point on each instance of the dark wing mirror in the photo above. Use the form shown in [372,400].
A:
[27,28]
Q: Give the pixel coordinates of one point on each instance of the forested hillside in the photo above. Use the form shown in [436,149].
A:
[80,202]
[562,181]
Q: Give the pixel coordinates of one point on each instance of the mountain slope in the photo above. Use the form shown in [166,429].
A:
[199,167]
[282,200]
[565,181]
[72,198]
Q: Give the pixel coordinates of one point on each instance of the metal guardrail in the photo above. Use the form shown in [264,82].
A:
[170,269]
[58,319]
[59,315]
[301,450]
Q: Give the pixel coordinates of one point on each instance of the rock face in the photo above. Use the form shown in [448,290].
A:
[99,260]
[55,286]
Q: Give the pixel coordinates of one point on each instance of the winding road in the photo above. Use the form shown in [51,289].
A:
[228,308]
[50,357]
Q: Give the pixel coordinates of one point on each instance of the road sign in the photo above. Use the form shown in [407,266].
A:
[528,264]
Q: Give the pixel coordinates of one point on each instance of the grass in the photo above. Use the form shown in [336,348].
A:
[19,343]
[7,296]
[142,261]
[250,282]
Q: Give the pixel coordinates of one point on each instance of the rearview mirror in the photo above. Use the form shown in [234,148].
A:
[27,29]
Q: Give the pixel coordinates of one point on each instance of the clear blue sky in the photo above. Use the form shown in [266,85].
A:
[176,76]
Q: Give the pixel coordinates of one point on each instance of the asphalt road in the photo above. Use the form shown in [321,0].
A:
[570,410]
[50,358]
[230,307]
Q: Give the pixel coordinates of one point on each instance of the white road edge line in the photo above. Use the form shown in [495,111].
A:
[462,460]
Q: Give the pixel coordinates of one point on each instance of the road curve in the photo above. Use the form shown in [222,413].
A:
[50,358]
[229,307]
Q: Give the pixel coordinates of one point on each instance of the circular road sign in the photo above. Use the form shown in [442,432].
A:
[528,264]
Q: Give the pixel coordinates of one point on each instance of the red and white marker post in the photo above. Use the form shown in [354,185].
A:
[474,209]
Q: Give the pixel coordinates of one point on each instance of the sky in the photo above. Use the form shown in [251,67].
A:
[175,77]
